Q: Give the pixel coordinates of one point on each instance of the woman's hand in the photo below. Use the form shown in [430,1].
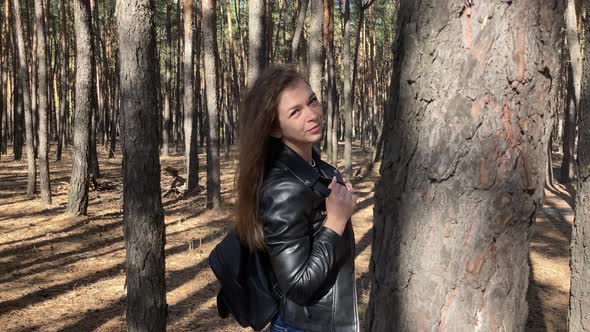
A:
[339,205]
[348,184]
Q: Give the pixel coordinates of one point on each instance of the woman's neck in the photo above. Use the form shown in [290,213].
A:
[303,150]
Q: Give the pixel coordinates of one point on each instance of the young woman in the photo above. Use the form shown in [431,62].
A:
[295,206]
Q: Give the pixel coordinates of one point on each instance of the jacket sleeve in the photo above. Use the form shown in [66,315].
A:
[305,266]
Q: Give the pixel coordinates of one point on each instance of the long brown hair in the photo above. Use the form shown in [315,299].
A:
[258,116]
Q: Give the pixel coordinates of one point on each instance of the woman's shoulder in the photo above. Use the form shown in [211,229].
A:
[281,179]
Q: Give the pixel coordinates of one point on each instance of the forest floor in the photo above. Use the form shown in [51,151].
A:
[61,273]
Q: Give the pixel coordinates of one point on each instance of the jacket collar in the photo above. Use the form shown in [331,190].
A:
[300,167]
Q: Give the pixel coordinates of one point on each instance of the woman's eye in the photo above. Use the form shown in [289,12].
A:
[314,100]
[294,112]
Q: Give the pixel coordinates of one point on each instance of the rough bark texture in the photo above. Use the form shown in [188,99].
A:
[85,103]
[579,311]
[43,148]
[190,148]
[316,47]
[143,216]
[210,47]
[23,77]
[256,39]
[464,164]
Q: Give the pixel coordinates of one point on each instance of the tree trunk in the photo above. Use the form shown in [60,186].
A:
[190,149]
[64,100]
[43,106]
[463,172]
[85,103]
[569,129]
[23,75]
[166,126]
[17,104]
[298,31]
[579,309]
[329,74]
[316,47]
[210,47]
[143,216]
[348,92]
[256,39]
[232,57]
[269,26]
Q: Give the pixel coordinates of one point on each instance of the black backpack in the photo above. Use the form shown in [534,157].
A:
[249,289]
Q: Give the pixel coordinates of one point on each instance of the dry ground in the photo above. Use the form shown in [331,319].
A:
[67,273]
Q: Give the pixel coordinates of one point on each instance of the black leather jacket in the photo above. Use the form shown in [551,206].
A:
[314,266]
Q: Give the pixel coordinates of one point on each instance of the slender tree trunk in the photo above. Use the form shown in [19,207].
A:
[573,89]
[94,167]
[85,103]
[143,216]
[256,39]
[243,56]
[168,82]
[179,78]
[27,106]
[210,47]
[191,150]
[327,138]
[232,57]
[268,26]
[298,31]
[461,180]
[569,129]
[348,92]
[18,110]
[64,100]
[316,47]
[43,106]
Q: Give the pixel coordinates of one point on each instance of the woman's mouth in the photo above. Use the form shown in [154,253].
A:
[315,129]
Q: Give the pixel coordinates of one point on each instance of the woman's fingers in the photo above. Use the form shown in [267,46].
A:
[348,184]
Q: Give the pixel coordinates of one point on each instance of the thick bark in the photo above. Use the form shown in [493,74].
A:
[23,75]
[43,148]
[85,103]
[190,149]
[143,216]
[348,92]
[464,164]
[166,126]
[256,39]
[298,31]
[210,47]
[579,310]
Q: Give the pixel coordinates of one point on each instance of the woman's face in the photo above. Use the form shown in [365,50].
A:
[299,117]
